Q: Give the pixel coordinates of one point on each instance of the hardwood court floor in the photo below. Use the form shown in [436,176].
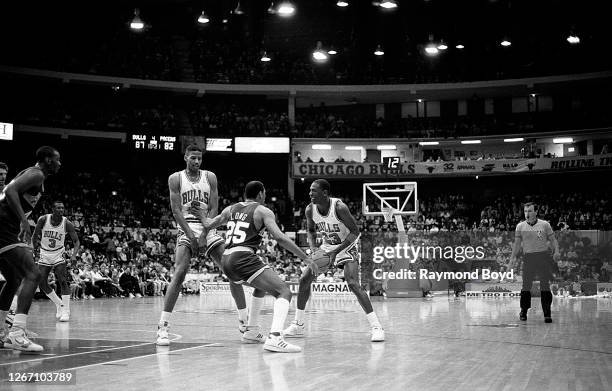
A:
[432,344]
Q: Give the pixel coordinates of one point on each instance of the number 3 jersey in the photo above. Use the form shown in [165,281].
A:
[333,230]
[52,241]
[241,230]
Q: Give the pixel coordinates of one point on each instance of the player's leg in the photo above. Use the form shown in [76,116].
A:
[252,332]
[545,275]
[351,275]
[268,281]
[7,294]
[47,290]
[216,252]
[296,329]
[181,267]
[61,275]
[22,261]
[528,275]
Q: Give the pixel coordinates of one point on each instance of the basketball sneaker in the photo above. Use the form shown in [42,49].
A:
[295,330]
[252,335]
[4,332]
[547,319]
[378,334]
[18,340]
[276,343]
[65,316]
[162,335]
[523,315]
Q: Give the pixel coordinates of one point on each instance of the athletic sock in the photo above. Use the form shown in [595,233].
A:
[256,306]
[165,318]
[54,298]
[243,315]
[373,319]
[281,307]
[299,316]
[20,321]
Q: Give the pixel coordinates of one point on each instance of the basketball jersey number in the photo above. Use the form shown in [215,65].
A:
[331,238]
[235,233]
[52,243]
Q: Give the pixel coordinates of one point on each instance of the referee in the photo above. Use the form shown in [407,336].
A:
[533,235]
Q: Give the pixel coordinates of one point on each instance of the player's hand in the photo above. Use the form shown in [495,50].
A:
[198,209]
[25,235]
[512,263]
[207,222]
[556,257]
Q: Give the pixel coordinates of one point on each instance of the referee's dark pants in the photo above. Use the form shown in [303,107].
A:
[538,264]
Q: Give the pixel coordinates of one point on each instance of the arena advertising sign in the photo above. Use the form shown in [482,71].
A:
[574,162]
[604,289]
[467,167]
[492,290]
[381,170]
[318,289]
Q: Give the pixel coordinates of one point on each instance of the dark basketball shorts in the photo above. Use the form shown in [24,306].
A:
[242,265]
[539,265]
[9,232]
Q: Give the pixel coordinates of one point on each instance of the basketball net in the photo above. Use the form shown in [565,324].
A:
[389,213]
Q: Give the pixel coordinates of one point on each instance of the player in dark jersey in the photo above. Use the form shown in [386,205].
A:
[245,221]
[17,201]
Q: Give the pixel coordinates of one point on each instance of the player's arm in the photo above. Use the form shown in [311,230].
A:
[553,241]
[220,219]
[269,221]
[174,185]
[311,229]
[213,199]
[29,179]
[75,241]
[345,216]
[37,235]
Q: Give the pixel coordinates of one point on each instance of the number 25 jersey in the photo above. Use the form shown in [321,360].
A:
[241,230]
[333,230]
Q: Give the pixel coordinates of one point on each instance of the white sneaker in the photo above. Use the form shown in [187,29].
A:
[4,332]
[18,340]
[277,344]
[295,330]
[91,297]
[138,295]
[65,316]
[252,335]
[162,336]
[131,295]
[378,334]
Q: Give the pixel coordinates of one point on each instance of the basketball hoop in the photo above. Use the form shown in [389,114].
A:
[388,214]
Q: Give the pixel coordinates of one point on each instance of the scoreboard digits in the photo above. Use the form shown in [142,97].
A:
[153,143]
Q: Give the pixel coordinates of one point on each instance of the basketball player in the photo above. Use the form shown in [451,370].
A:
[17,201]
[532,236]
[48,239]
[245,222]
[332,218]
[191,192]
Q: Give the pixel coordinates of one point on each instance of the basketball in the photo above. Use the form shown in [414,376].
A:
[320,255]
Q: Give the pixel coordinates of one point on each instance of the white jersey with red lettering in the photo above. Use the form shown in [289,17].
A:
[52,242]
[334,232]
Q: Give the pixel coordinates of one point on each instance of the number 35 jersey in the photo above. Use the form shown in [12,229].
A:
[333,231]
[241,230]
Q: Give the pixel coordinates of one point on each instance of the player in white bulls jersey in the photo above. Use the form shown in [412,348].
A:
[193,193]
[48,241]
[332,218]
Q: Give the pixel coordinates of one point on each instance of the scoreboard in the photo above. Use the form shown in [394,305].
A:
[149,142]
